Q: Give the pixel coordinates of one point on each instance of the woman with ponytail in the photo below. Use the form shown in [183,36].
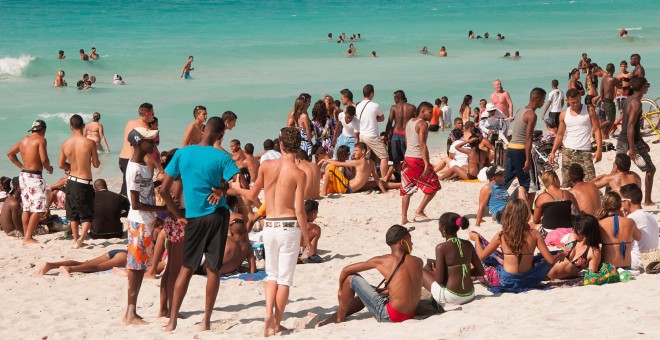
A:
[616,232]
[449,277]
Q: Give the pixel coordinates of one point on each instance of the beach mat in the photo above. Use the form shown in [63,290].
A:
[471,181]
[258,276]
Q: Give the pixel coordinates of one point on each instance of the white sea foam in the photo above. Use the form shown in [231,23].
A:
[65,116]
[15,66]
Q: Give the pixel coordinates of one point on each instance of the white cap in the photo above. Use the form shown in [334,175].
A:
[491,107]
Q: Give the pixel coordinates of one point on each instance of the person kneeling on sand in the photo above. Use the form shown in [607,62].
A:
[364,168]
[397,300]
[449,277]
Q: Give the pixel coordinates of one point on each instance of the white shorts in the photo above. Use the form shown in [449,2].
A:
[33,192]
[281,249]
[443,295]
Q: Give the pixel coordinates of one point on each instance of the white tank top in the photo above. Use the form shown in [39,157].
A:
[578,130]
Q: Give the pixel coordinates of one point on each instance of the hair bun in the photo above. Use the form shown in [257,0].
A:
[462,222]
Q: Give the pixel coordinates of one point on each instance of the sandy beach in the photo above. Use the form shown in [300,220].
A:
[353,226]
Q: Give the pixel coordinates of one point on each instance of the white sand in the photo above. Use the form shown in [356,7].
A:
[91,305]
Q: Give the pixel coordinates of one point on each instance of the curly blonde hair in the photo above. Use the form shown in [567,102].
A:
[514,224]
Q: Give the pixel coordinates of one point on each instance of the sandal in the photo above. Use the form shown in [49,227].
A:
[314,259]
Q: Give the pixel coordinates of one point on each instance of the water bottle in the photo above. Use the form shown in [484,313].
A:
[625,276]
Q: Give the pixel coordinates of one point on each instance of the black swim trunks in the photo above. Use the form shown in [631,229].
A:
[206,235]
[79,201]
[397,148]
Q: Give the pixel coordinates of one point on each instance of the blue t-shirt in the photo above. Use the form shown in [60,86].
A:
[201,168]
[499,197]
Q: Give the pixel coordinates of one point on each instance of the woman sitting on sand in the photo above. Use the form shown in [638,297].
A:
[553,209]
[582,250]
[514,268]
[94,131]
[448,278]
[616,232]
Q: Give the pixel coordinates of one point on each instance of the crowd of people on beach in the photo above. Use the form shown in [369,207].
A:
[202,204]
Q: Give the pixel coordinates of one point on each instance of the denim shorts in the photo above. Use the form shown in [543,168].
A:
[374,301]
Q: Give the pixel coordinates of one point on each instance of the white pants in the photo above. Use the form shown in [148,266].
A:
[281,249]
[443,295]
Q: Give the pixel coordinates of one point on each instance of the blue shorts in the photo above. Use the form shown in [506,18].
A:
[187,75]
[347,141]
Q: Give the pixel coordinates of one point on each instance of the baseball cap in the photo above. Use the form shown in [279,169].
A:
[494,171]
[491,107]
[396,233]
[38,125]
[140,133]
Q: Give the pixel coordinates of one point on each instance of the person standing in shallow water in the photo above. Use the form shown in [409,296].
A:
[187,67]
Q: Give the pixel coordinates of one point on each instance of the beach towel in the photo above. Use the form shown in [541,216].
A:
[498,280]
[412,178]
[606,274]
[258,276]
[337,182]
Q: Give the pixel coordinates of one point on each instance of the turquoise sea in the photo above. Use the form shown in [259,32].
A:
[255,57]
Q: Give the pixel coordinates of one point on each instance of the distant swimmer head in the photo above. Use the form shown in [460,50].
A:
[507,54]
[470,34]
[517,54]
[60,73]
[92,79]
[96,116]
[373,54]
[82,51]
[329,35]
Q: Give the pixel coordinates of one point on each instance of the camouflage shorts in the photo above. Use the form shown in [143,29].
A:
[583,158]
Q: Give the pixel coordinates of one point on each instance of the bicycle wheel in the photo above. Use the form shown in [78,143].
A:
[499,155]
[649,105]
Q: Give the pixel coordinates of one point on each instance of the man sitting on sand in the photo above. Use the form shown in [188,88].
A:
[620,175]
[364,168]
[586,194]
[237,248]
[313,173]
[476,160]
[10,217]
[403,283]
[494,196]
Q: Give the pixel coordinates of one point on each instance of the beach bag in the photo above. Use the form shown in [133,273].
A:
[606,274]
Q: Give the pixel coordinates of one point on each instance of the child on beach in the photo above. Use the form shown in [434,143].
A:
[141,217]
[313,230]
[448,277]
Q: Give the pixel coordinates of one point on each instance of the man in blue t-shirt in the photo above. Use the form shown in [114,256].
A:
[494,196]
[201,168]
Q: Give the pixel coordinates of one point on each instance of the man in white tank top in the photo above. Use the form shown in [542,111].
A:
[417,171]
[577,124]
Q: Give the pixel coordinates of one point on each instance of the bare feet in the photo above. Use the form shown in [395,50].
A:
[64,270]
[149,275]
[331,319]
[205,325]
[134,320]
[171,326]
[119,271]
[163,313]
[648,204]
[29,241]
[404,221]
[269,328]
[43,269]
[281,328]
[78,244]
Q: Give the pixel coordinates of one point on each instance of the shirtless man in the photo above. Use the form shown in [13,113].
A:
[33,150]
[230,119]
[620,175]
[400,113]
[92,54]
[284,186]
[193,134]
[313,174]
[622,92]
[145,116]
[501,99]
[638,71]
[83,56]
[251,163]
[347,97]
[583,64]
[77,156]
[10,216]
[364,168]
[607,95]
[403,272]
[187,67]
[586,194]
[236,153]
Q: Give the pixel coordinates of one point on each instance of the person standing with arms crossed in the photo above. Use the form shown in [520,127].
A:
[145,116]
[34,153]
[77,156]
[206,220]
[284,186]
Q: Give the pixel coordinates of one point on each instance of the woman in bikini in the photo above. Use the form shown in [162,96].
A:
[323,125]
[554,208]
[574,81]
[616,232]
[449,277]
[299,119]
[582,250]
[514,268]
[94,131]
[465,110]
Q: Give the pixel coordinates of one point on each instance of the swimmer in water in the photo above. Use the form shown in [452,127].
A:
[425,50]
[507,55]
[59,79]
[93,54]
[470,35]
[187,67]
[373,54]
[443,52]
[623,33]
[329,36]
[60,55]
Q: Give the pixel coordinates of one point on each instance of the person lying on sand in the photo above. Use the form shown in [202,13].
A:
[397,300]
[114,259]
[334,180]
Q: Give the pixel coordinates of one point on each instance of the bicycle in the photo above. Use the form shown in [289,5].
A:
[651,116]
[501,143]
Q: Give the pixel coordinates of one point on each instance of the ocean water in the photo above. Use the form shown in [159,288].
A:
[255,57]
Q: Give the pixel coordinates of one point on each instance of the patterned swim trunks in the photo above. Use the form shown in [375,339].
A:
[140,245]
[175,232]
[33,191]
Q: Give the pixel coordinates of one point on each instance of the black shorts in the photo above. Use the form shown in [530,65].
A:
[397,148]
[79,201]
[587,99]
[434,128]
[206,235]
